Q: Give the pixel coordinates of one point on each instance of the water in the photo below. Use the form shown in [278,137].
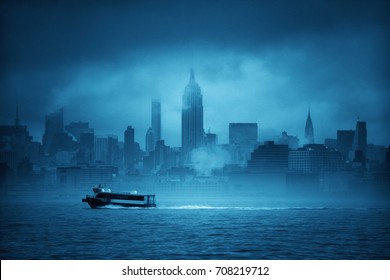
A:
[51,227]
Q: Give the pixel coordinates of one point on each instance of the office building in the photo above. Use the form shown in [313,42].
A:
[242,141]
[156,120]
[107,150]
[128,148]
[345,141]
[360,137]
[54,126]
[150,143]
[269,157]
[314,158]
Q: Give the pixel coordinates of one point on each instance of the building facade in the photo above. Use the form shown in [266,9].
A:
[54,126]
[360,137]
[242,141]
[315,158]
[128,148]
[150,143]
[156,121]
[345,142]
[269,157]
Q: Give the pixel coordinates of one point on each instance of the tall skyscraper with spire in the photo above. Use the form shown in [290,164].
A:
[191,119]
[309,131]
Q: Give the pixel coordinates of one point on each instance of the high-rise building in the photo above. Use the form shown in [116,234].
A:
[150,143]
[242,141]
[16,146]
[107,150]
[314,158]
[129,147]
[309,131]
[86,147]
[192,119]
[156,120]
[345,142]
[76,128]
[269,157]
[360,137]
[54,125]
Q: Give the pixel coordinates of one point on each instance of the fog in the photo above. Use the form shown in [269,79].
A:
[273,59]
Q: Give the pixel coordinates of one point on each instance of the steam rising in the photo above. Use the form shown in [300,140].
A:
[207,160]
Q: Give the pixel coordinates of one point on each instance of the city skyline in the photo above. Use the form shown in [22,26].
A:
[255,63]
[302,141]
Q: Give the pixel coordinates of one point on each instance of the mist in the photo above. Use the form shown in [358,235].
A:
[273,62]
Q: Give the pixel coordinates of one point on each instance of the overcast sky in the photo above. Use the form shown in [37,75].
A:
[255,61]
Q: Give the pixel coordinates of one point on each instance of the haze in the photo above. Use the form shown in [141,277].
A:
[255,61]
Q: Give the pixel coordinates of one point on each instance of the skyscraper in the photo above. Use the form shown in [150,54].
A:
[129,147]
[309,131]
[150,143]
[156,121]
[54,125]
[107,149]
[345,142]
[191,118]
[360,137]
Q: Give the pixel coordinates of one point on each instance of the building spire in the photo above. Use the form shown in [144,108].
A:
[309,131]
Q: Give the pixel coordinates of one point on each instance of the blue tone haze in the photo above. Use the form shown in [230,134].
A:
[82,75]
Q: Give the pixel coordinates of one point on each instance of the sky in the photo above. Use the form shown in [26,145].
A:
[255,61]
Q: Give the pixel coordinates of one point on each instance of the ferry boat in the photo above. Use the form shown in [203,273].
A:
[103,197]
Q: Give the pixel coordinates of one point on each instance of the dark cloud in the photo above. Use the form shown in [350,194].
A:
[277,56]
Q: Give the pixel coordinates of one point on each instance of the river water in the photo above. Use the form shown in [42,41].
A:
[38,226]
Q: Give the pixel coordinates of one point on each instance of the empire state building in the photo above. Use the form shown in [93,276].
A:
[191,119]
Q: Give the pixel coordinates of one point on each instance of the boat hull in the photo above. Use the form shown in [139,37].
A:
[98,203]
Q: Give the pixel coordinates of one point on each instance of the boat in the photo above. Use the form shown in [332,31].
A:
[103,196]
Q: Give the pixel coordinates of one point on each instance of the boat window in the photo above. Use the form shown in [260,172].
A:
[126,196]
[103,195]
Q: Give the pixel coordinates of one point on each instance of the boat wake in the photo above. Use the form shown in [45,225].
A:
[262,208]
[209,207]
[119,207]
